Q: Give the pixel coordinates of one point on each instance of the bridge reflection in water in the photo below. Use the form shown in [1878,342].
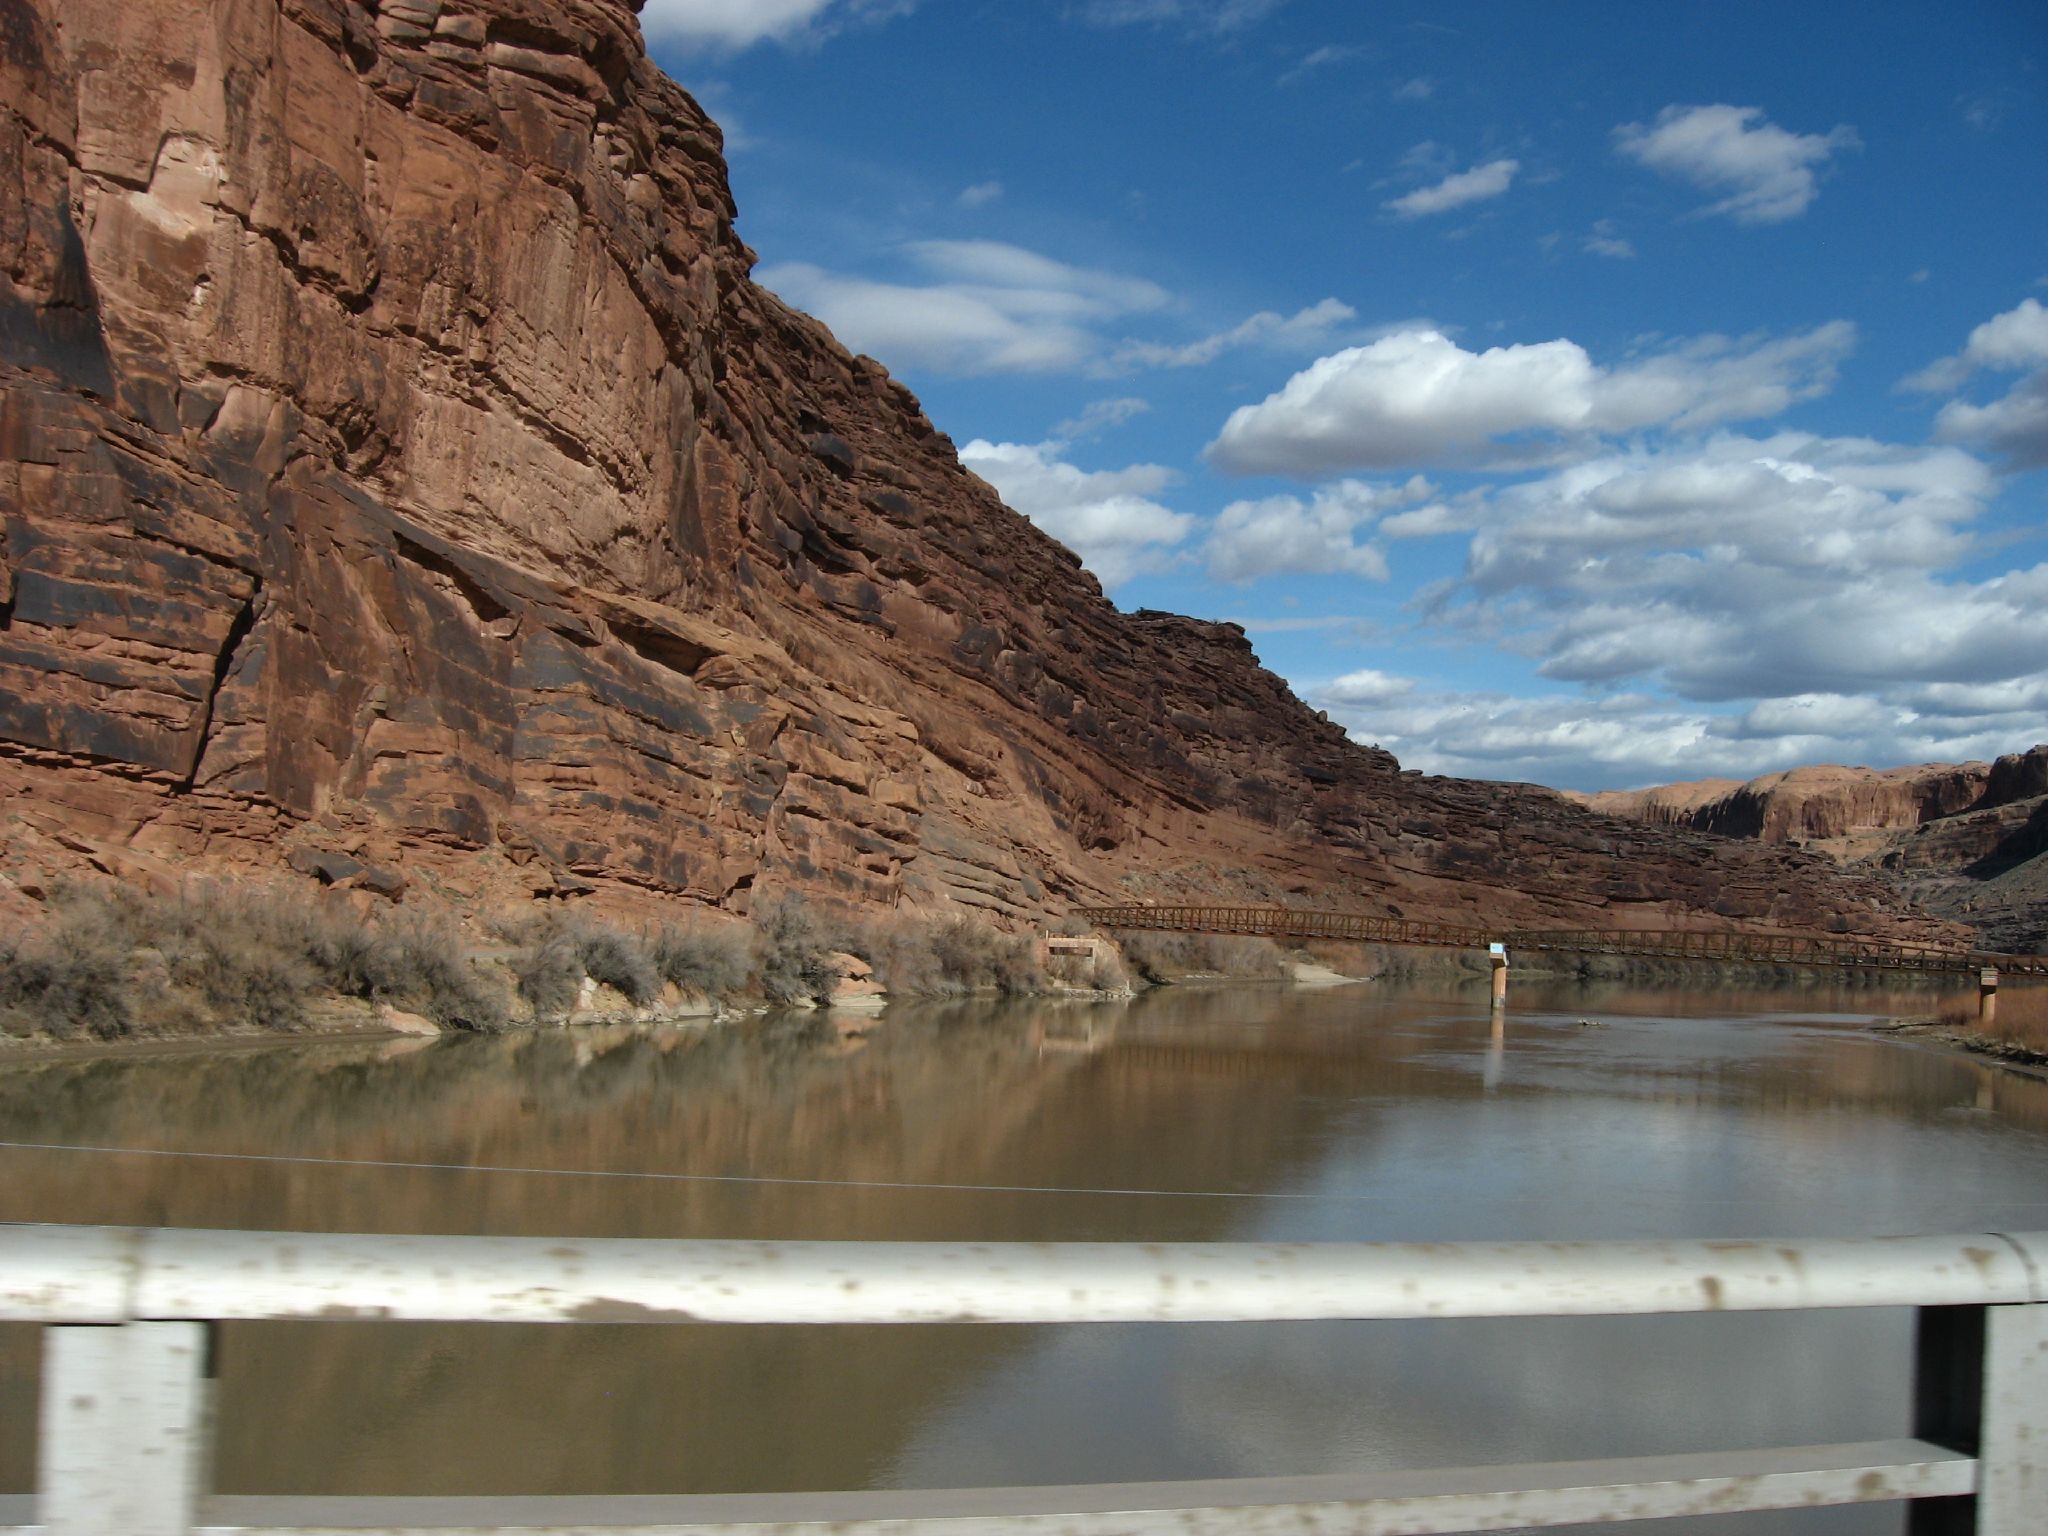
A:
[1834,952]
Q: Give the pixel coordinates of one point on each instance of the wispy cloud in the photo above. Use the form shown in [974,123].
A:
[1099,416]
[1304,330]
[1606,240]
[980,307]
[1319,58]
[1769,174]
[1456,190]
[1216,18]
[730,25]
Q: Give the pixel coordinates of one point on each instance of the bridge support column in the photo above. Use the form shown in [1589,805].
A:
[1498,954]
[1987,998]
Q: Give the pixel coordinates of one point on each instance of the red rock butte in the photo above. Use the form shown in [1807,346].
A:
[400,469]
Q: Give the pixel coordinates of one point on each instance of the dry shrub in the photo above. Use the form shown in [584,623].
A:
[2021,1021]
[1163,957]
[948,957]
[793,952]
[558,951]
[1099,972]
[69,979]
[424,963]
[113,962]
[711,960]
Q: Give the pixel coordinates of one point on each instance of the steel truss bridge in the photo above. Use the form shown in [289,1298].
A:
[1836,952]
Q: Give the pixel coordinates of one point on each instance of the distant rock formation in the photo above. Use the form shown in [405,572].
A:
[1968,840]
[401,474]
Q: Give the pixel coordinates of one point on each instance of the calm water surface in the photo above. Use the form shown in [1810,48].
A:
[1245,1114]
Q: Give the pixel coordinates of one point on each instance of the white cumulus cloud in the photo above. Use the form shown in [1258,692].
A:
[1629,740]
[1285,535]
[2016,424]
[1768,173]
[1368,685]
[1107,517]
[1417,397]
[1750,568]
[2016,339]
[1456,190]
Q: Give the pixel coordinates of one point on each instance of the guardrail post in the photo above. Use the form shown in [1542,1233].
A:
[1981,1386]
[124,1429]
[1948,1405]
[2012,1480]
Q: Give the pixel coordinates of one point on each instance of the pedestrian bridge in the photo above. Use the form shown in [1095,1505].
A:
[1838,952]
[126,1383]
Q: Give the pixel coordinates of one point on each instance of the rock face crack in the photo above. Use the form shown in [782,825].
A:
[238,632]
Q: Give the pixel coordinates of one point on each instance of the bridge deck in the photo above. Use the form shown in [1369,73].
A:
[1839,952]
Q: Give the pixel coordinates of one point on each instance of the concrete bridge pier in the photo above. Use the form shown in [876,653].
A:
[1987,997]
[1498,954]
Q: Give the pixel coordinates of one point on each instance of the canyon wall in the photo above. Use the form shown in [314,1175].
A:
[401,475]
[1967,840]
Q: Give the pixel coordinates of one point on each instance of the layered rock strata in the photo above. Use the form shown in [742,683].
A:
[1968,840]
[399,468]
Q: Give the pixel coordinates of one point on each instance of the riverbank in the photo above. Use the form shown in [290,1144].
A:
[105,963]
[2013,1056]
[2016,1035]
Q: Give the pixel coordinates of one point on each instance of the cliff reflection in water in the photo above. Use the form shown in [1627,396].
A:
[1362,1112]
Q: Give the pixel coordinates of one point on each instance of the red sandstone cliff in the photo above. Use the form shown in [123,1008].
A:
[1968,840]
[396,460]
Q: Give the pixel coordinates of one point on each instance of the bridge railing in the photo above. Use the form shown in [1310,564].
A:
[124,1431]
[1843,952]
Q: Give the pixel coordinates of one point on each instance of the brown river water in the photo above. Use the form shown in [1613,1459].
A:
[1232,1114]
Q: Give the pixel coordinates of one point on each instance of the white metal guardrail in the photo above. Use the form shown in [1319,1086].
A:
[123,1446]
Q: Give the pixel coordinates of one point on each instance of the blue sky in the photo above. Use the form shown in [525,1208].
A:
[1592,394]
